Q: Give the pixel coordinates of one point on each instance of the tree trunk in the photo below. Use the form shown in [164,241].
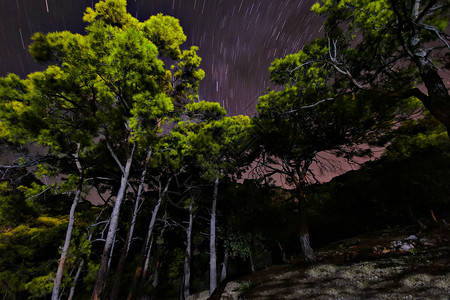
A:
[103,268]
[188,254]
[438,100]
[150,229]
[120,266]
[307,250]
[80,267]
[75,280]
[300,184]
[252,265]
[212,242]
[65,249]
[223,274]
[155,282]
[142,268]
[126,246]
[110,257]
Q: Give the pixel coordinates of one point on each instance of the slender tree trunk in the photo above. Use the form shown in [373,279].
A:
[307,250]
[120,267]
[300,184]
[212,242]
[188,255]
[155,282]
[75,280]
[223,273]
[126,246]
[252,265]
[150,229]
[103,268]
[142,268]
[110,256]
[80,267]
[65,249]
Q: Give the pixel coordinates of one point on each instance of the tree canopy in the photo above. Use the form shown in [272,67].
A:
[391,48]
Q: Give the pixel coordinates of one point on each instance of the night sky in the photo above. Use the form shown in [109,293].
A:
[238,39]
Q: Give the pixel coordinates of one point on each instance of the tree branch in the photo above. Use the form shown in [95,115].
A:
[433,29]
[335,63]
[115,157]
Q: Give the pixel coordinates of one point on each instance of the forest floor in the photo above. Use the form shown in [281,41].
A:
[393,264]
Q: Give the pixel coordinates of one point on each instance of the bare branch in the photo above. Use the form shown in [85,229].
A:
[429,8]
[38,194]
[335,64]
[98,223]
[433,29]
[301,66]
[115,157]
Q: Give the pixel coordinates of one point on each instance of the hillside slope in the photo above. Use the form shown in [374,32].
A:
[394,264]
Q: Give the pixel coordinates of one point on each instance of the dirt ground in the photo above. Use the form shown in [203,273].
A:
[393,264]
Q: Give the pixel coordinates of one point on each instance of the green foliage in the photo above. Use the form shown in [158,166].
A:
[208,141]
[204,111]
[113,73]
[156,29]
[109,85]
[109,12]
[382,46]
[334,97]
[418,138]
[176,264]
[295,125]
[242,244]
[40,286]
[28,250]
[14,208]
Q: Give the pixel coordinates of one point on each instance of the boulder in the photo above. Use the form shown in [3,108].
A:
[232,291]
[199,296]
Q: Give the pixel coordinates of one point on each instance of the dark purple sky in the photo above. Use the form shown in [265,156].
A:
[238,39]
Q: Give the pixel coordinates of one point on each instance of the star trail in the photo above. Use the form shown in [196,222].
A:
[237,39]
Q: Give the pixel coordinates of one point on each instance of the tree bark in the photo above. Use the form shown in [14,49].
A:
[103,268]
[252,265]
[212,242]
[188,255]
[438,99]
[307,250]
[155,282]
[300,184]
[65,249]
[126,246]
[142,268]
[223,273]
[75,280]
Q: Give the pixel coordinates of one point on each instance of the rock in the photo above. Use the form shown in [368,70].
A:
[199,296]
[232,291]
[406,247]
[396,244]
[426,242]
[411,238]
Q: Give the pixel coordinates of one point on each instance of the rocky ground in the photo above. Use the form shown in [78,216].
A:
[393,264]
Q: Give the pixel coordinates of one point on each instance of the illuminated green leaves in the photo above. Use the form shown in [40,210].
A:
[166,33]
